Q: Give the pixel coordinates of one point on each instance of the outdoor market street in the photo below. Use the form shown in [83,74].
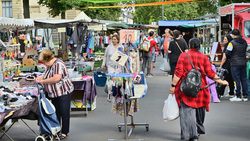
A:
[226,121]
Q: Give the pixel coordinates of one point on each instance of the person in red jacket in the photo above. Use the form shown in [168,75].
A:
[192,110]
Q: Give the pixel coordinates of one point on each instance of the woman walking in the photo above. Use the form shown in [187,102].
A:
[176,47]
[192,110]
[110,64]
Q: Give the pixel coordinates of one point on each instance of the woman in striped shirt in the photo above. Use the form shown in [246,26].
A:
[59,88]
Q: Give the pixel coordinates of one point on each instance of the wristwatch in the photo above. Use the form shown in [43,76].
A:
[172,85]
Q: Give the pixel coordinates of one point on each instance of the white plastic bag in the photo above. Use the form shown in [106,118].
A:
[165,66]
[170,110]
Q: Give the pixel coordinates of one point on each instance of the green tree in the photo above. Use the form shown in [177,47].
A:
[102,13]
[179,11]
[57,7]
[226,2]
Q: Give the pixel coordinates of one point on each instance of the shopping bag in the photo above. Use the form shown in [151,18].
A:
[170,110]
[165,66]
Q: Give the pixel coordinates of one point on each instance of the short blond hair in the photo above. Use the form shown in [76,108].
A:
[46,55]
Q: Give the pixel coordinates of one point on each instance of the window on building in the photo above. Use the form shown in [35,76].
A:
[7,9]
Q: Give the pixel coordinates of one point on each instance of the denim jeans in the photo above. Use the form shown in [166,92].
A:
[239,74]
[147,59]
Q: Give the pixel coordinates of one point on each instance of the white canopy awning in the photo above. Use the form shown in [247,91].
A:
[11,23]
[83,16]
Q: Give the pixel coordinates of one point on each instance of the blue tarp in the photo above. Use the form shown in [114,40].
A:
[176,23]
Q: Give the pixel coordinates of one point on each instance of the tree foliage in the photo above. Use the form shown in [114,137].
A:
[180,11]
[56,7]
[226,2]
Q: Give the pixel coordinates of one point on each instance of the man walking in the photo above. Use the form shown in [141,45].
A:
[236,51]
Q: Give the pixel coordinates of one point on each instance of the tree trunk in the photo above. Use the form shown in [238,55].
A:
[63,15]
[26,9]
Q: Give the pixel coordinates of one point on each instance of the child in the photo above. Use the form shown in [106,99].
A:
[212,88]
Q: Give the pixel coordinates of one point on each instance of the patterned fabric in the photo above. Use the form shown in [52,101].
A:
[64,86]
[183,67]
[221,73]
[118,107]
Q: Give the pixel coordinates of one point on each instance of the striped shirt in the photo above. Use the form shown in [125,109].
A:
[64,86]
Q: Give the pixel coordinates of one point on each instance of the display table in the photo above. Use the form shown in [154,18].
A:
[30,111]
[85,90]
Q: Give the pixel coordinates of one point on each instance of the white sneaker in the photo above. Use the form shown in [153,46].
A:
[235,99]
[245,99]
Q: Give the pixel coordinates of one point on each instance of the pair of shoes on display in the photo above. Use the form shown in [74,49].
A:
[194,139]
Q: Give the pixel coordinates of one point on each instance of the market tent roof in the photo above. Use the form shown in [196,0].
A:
[57,23]
[105,21]
[136,26]
[11,23]
[200,24]
[175,23]
[153,26]
[83,16]
[118,25]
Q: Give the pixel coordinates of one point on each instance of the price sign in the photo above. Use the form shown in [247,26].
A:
[119,58]
[127,36]
[38,38]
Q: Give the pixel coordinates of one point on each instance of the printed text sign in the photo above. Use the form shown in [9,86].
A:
[127,36]
[119,58]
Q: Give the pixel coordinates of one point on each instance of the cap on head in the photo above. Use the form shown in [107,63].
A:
[236,32]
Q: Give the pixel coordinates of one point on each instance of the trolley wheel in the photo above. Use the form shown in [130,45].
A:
[120,128]
[40,138]
[147,128]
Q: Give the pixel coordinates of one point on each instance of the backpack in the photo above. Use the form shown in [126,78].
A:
[146,45]
[191,85]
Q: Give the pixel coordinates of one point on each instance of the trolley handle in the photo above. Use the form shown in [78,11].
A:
[39,86]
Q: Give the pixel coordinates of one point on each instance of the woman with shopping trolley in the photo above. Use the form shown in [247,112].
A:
[59,88]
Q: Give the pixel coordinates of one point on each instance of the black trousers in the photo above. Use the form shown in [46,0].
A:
[173,66]
[163,54]
[62,105]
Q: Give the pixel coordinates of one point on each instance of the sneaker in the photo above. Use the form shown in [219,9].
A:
[150,75]
[235,99]
[245,99]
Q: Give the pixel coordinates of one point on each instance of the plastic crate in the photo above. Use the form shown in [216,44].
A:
[98,63]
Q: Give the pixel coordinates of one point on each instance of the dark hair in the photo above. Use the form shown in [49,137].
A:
[176,34]
[171,33]
[229,39]
[117,37]
[194,43]
[151,33]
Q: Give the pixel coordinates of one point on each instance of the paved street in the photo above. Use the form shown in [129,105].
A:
[226,121]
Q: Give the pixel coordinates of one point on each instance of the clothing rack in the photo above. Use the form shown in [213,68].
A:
[126,124]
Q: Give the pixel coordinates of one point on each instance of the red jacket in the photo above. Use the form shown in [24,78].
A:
[183,67]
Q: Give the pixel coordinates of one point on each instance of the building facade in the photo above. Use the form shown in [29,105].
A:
[22,9]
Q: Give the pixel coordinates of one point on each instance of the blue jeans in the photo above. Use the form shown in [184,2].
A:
[239,74]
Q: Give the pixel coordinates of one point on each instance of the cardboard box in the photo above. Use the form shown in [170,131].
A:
[28,63]
[62,53]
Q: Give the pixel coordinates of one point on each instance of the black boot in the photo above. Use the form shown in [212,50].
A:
[194,139]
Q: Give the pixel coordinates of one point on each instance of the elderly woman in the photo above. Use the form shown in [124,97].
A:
[192,110]
[59,88]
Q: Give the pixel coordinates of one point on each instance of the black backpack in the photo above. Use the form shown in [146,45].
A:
[191,85]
